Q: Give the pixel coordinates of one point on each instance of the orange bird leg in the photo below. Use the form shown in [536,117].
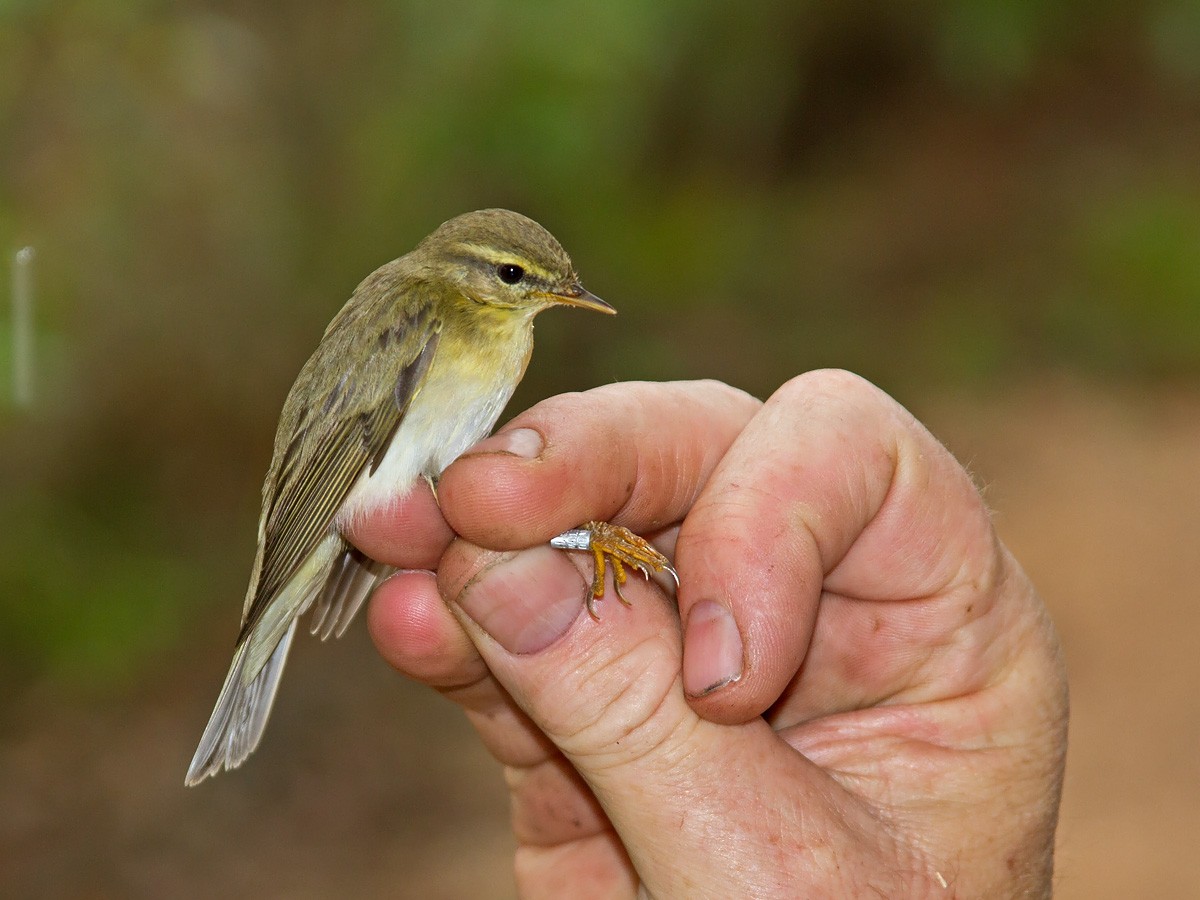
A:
[620,547]
[597,584]
[619,577]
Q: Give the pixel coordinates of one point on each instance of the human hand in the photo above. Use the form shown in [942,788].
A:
[869,699]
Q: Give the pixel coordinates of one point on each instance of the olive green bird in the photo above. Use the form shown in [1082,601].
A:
[412,371]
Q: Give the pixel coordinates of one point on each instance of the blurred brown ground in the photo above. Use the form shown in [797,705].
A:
[369,786]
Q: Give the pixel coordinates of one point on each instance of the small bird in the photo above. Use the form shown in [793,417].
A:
[413,370]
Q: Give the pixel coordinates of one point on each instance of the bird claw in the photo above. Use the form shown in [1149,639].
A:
[618,547]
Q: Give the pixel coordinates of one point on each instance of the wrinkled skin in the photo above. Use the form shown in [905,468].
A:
[865,696]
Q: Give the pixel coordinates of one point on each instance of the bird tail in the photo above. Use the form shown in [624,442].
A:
[339,578]
[238,720]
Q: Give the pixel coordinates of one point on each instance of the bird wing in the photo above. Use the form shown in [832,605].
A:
[314,477]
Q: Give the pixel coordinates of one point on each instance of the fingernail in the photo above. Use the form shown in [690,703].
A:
[525,601]
[522,442]
[712,649]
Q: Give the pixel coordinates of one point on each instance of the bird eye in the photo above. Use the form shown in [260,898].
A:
[510,274]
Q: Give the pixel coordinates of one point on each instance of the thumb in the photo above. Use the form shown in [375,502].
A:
[699,806]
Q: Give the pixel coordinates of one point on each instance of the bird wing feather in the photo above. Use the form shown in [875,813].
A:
[314,476]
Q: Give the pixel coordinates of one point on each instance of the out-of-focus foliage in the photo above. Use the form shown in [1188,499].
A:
[960,191]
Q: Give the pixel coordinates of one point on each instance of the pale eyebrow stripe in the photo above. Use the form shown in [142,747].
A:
[496,258]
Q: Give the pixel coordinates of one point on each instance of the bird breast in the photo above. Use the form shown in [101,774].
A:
[456,406]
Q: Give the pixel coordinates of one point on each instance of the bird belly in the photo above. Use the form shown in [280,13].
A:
[432,434]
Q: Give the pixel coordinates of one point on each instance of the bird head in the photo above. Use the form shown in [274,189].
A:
[505,260]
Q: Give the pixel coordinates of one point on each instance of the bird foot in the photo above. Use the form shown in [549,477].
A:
[432,481]
[618,547]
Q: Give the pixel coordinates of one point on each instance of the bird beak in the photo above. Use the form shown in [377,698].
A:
[575,295]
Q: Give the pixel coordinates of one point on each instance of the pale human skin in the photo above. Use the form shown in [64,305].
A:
[890,713]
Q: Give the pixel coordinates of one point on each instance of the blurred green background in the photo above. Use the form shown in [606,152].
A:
[964,198]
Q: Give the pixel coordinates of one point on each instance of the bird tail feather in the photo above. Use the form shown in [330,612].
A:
[352,578]
[241,713]
[339,578]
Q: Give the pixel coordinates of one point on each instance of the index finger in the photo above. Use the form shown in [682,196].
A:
[634,453]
